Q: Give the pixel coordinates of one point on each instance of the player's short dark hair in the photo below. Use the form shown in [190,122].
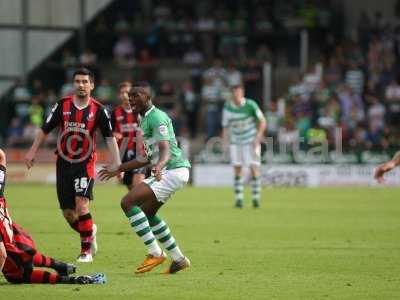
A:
[124,84]
[141,84]
[237,86]
[84,71]
[144,85]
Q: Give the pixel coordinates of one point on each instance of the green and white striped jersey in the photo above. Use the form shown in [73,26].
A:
[157,126]
[242,120]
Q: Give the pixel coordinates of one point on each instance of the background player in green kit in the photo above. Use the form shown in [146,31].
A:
[170,172]
[244,126]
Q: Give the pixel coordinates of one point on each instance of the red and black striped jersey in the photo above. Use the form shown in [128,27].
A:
[2,180]
[126,123]
[77,137]
[6,231]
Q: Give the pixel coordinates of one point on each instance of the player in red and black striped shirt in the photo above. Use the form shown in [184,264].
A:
[125,128]
[78,117]
[20,261]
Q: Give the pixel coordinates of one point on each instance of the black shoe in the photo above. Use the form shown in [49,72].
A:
[239,204]
[83,279]
[256,204]
[65,269]
[97,278]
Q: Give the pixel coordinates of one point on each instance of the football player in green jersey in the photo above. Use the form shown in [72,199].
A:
[244,126]
[170,172]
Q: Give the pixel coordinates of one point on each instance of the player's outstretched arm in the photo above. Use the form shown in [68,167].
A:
[386,167]
[108,172]
[30,156]
[3,255]
[114,150]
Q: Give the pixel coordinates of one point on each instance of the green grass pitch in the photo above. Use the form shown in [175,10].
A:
[338,243]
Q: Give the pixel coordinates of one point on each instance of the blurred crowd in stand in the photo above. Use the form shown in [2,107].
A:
[193,52]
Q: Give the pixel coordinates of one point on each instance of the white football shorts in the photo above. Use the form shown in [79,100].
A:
[171,181]
[245,155]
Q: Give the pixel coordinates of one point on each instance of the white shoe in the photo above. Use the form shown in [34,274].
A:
[93,247]
[85,258]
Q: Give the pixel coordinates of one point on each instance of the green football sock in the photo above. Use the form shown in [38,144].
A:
[163,234]
[140,225]
[256,190]
[238,185]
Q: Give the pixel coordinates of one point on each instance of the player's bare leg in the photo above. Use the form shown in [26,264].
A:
[86,229]
[137,179]
[255,185]
[162,233]
[139,202]
[238,185]
[72,218]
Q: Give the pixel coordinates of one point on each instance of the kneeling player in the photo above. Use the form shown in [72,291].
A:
[19,259]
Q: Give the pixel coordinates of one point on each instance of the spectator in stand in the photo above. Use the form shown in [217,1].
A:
[146,59]
[312,78]
[30,131]
[67,88]
[358,141]
[21,91]
[329,117]
[88,59]
[333,73]
[190,106]
[375,113]
[36,112]
[15,132]
[166,96]
[212,101]
[233,75]
[354,78]
[205,24]
[348,99]
[392,99]
[104,91]
[252,77]
[147,62]
[288,135]
[274,118]
[124,52]
[386,75]
[298,87]
[37,87]
[194,58]
[354,54]
[303,124]
[68,63]
[217,74]
[374,137]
